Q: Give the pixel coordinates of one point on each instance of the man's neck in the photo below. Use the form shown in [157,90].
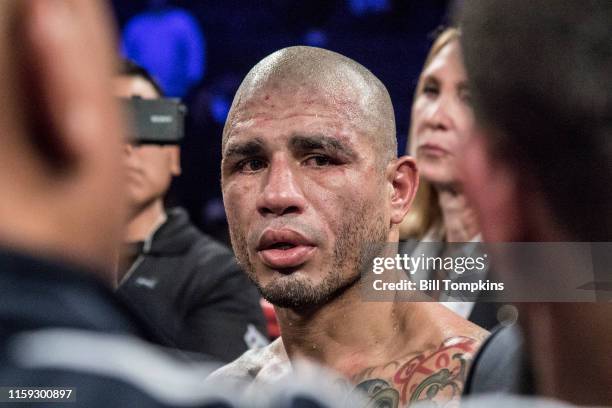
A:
[349,334]
[459,218]
[143,222]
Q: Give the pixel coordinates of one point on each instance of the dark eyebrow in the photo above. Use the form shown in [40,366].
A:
[253,147]
[305,143]
[430,78]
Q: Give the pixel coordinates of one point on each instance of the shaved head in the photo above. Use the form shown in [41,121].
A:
[310,175]
[311,74]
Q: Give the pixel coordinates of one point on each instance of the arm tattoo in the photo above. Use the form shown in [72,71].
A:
[435,376]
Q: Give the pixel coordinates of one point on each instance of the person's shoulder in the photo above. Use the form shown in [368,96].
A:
[446,324]
[107,369]
[180,232]
[199,239]
[450,343]
[210,244]
[208,268]
[461,333]
[216,259]
[503,400]
[263,364]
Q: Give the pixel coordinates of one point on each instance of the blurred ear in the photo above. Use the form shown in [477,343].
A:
[64,119]
[493,189]
[403,176]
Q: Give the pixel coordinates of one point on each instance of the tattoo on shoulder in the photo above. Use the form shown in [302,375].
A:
[435,377]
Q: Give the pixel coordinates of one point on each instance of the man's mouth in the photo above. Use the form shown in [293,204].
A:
[283,249]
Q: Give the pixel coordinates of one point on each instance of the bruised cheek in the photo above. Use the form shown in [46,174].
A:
[341,194]
[338,180]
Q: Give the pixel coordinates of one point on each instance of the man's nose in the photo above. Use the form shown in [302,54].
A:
[281,193]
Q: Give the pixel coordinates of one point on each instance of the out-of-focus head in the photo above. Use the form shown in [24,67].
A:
[540,165]
[542,92]
[441,120]
[441,112]
[61,177]
[310,175]
[149,167]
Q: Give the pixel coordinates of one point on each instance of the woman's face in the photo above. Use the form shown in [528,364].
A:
[441,116]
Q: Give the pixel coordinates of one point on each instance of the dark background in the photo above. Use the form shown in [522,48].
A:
[390,38]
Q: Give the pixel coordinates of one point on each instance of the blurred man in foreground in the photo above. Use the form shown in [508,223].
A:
[61,217]
[540,168]
[314,190]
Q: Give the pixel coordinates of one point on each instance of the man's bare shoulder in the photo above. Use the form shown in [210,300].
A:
[264,363]
[435,374]
[434,370]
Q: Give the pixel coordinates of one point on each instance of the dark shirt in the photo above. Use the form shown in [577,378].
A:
[501,365]
[190,287]
[61,327]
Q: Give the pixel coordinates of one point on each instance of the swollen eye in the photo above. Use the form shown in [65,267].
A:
[252,165]
[319,161]
[322,161]
[256,164]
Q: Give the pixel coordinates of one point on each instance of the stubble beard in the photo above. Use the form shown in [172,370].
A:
[358,242]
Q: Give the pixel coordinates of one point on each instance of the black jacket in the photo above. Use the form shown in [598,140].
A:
[501,365]
[60,327]
[190,287]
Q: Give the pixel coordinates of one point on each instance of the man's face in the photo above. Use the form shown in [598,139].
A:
[149,167]
[303,193]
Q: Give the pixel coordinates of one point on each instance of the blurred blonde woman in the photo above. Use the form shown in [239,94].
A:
[441,119]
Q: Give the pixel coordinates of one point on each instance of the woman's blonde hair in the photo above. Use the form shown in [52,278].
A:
[425,211]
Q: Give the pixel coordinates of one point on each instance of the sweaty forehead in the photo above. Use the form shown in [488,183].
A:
[277,102]
[320,111]
[278,120]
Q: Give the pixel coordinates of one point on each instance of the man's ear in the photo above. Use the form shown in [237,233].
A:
[403,176]
[175,157]
[492,187]
[64,118]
